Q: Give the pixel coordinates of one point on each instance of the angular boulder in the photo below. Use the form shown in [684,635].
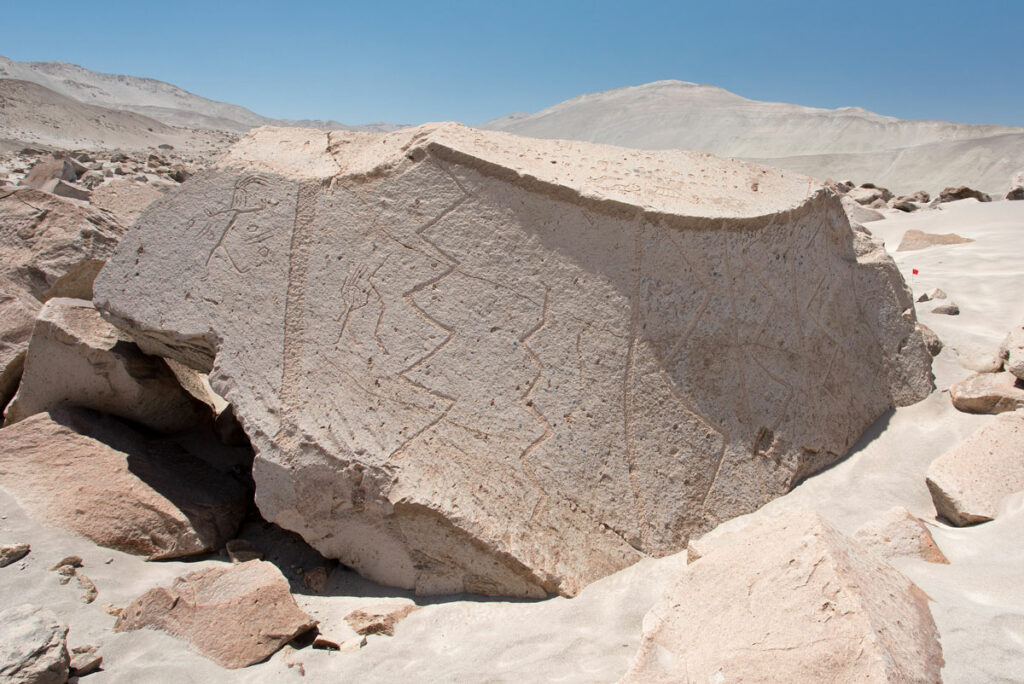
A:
[789,599]
[51,246]
[988,393]
[960,192]
[75,357]
[17,316]
[100,478]
[470,361]
[1011,351]
[49,169]
[897,533]
[235,615]
[968,481]
[916,239]
[33,648]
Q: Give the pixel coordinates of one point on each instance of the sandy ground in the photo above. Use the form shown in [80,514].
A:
[978,600]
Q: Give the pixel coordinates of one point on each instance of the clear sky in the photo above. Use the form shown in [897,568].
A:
[410,62]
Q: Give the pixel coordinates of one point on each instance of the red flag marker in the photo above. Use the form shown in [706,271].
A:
[914,271]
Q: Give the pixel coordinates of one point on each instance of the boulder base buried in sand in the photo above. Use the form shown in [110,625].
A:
[789,599]
[470,361]
[235,615]
[100,478]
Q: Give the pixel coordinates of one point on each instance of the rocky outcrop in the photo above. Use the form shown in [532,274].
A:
[897,534]
[235,615]
[33,648]
[952,194]
[100,478]
[17,316]
[792,600]
[968,481]
[475,362]
[916,239]
[988,393]
[52,247]
[76,358]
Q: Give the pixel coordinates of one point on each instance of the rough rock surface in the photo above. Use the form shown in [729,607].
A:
[916,239]
[48,169]
[125,199]
[931,340]
[75,357]
[968,481]
[17,316]
[100,478]
[1012,351]
[897,533]
[475,362]
[51,246]
[988,393]
[951,309]
[952,194]
[380,618]
[12,553]
[32,646]
[792,597]
[235,615]
[979,358]
[858,213]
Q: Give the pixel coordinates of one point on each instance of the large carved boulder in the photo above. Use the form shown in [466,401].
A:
[470,361]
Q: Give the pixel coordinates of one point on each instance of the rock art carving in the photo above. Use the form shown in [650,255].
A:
[474,362]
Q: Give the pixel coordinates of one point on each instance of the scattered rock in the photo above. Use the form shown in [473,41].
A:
[85,660]
[858,213]
[988,393]
[62,189]
[968,482]
[931,340]
[88,587]
[379,618]
[903,204]
[1015,193]
[868,194]
[935,293]
[235,615]
[52,247]
[978,359]
[480,341]
[916,239]
[1012,351]
[33,648]
[102,479]
[792,597]
[950,309]
[896,534]
[75,357]
[315,579]
[961,192]
[12,553]
[49,169]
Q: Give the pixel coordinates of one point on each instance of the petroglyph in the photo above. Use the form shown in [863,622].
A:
[473,362]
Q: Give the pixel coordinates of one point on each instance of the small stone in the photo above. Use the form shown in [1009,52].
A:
[111,609]
[978,359]
[315,579]
[12,553]
[88,587]
[950,309]
[73,561]
[85,660]
[323,643]
[379,619]
[931,340]
[988,393]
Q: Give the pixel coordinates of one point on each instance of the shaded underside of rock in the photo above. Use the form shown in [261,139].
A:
[968,481]
[789,599]
[51,246]
[100,478]
[75,357]
[235,615]
[988,393]
[474,362]
[17,316]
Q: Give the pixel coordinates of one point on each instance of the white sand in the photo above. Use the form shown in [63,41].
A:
[978,598]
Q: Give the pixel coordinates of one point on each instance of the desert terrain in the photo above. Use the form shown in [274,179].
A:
[657,384]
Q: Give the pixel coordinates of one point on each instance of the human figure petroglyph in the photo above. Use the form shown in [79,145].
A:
[243,248]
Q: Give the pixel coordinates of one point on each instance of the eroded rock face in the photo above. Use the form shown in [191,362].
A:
[75,357]
[53,247]
[968,481]
[789,599]
[100,478]
[235,615]
[475,362]
[17,316]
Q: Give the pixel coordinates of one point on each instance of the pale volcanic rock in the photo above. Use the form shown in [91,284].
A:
[100,478]
[235,615]
[969,481]
[51,246]
[988,393]
[17,316]
[789,599]
[916,239]
[33,648]
[475,362]
[897,533]
[75,357]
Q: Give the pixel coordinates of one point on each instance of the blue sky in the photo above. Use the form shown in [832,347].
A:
[411,62]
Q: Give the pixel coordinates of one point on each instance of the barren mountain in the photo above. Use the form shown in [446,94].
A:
[164,102]
[847,142]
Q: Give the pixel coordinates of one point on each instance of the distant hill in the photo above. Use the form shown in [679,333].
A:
[161,101]
[848,142]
